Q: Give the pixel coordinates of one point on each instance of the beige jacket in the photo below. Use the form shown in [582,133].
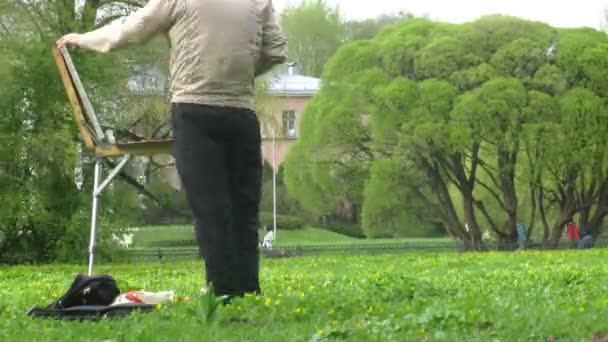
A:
[218,47]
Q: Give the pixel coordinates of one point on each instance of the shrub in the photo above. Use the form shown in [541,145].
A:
[284,222]
[352,230]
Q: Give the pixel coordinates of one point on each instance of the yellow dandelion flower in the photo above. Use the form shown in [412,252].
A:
[334,322]
[320,332]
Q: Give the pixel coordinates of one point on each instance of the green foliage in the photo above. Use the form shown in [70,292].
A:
[368,28]
[300,183]
[350,59]
[45,216]
[390,208]
[210,302]
[491,33]
[315,32]
[520,58]
[350,230]
[394,297]
[41,205]
[441,58]
[550,79]
[584,113]
[284,222]
[571,46]
[476,122]
[285,203]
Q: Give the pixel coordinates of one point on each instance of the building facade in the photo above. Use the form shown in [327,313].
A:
[288,94]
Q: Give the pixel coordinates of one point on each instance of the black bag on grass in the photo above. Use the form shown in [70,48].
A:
[89,297]
[88,290]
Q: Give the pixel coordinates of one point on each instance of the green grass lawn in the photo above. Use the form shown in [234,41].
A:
[304,237]
[527,296]
[147,235]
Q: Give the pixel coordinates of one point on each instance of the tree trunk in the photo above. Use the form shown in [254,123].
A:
[568,210]
[556,232]
[583,221]
[466,184]
[543,216]
[474,233]
[507,186]
[449,216]
[532,220]
[596,223]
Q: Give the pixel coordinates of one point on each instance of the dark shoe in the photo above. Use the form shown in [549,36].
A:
[228,299]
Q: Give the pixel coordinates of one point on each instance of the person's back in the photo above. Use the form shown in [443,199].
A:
[217,46]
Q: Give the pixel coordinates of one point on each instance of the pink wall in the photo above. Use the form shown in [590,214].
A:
[282,145]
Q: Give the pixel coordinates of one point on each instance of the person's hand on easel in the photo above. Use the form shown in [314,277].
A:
[72,39]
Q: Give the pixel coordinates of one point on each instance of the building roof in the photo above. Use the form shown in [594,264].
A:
[284,80]
[287,81]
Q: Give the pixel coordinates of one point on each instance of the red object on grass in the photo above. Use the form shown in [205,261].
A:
[134,296]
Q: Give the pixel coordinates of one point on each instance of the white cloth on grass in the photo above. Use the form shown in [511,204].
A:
[268,238]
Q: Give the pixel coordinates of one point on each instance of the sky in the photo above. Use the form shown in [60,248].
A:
[559,13]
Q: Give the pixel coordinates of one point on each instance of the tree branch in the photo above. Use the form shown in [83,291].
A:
[493,193]
[5,28]
[487,168]
[158,166]
[134,183]
[34,9]
[488,217]
[448,174]
[416,190]
[158,129]
[474,164]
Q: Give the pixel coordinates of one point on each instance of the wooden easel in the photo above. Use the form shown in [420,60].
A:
[103,145]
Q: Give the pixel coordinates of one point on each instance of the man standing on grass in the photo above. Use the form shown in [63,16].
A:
[218,47]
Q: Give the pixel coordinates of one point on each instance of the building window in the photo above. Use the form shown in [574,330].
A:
[289,123]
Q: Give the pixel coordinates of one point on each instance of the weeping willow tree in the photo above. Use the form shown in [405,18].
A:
[476,127]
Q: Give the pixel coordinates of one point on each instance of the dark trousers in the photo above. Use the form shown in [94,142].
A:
[219,159]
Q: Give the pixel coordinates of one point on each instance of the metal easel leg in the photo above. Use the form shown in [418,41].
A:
[97,190]
[94,212]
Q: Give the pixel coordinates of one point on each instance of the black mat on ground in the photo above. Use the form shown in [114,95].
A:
[89,312]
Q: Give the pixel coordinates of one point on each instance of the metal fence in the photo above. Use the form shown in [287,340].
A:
[187,250]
